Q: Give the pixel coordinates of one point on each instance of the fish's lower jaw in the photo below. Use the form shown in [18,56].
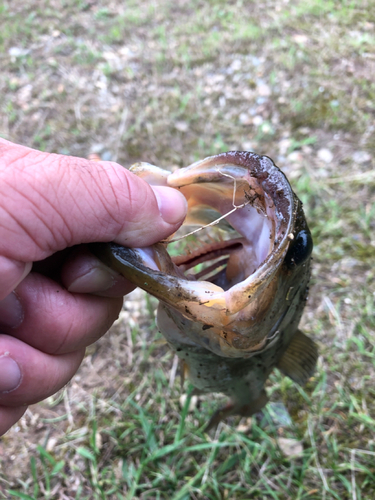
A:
[233,408]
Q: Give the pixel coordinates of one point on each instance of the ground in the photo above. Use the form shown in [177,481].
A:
[171,83]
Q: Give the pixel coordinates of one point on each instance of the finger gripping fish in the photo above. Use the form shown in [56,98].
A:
[236,319]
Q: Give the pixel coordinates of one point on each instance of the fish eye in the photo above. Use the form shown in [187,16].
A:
[300,249]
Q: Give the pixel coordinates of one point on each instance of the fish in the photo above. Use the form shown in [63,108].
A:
[230,305]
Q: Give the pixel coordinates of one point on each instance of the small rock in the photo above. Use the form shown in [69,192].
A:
[264,90]
[97,148]
[322,172]
[236,65]
[348,264]
[181,126]
[107,155]
[290,447]
[325,155]
[267,128]
[361,157]
[304,130]
[245,119]
[307,150]
[247,146]
[257,120]
[255,60]
[284,145]
[24,95]
[295,157]
[222,101]
[247,93]
[125,51]
[51,443]
[17,52]
[301,39]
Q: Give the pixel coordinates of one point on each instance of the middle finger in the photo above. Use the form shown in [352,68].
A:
[56,321]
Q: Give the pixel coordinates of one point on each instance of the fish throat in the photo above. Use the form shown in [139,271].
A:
[216,257]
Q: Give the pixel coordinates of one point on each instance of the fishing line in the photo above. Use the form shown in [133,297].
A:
[216,221]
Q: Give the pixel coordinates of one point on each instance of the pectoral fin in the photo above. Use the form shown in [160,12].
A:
[299,360]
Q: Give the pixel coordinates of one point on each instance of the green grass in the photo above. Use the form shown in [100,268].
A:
[175,460]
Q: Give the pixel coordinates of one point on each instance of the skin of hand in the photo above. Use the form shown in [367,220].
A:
[55,297]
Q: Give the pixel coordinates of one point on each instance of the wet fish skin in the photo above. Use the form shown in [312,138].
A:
[231,342]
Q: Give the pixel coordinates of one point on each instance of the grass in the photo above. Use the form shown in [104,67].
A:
[171,83]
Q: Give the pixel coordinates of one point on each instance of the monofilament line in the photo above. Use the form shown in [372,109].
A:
[216,221]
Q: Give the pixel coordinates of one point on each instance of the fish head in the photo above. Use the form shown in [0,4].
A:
[243,279]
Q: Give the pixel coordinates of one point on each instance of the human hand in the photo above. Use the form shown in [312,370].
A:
[48,314]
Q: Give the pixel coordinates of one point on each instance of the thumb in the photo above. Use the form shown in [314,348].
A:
[49,202]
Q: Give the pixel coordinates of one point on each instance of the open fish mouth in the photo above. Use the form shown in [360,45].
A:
[235,296]
[237,204]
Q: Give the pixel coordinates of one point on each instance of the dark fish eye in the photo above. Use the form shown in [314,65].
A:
[300,249]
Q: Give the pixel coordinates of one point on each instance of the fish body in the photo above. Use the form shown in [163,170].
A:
[232,322]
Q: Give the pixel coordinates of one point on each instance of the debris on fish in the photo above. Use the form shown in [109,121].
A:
[234,319]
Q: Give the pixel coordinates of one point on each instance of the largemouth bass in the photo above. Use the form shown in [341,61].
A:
[232,322]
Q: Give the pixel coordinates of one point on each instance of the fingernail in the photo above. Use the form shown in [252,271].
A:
[172,204]
[12,272]
[11,311]
[98,279]
[10,374]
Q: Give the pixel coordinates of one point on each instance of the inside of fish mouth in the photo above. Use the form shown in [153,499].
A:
[221,262]
[231,239]
[215,255]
